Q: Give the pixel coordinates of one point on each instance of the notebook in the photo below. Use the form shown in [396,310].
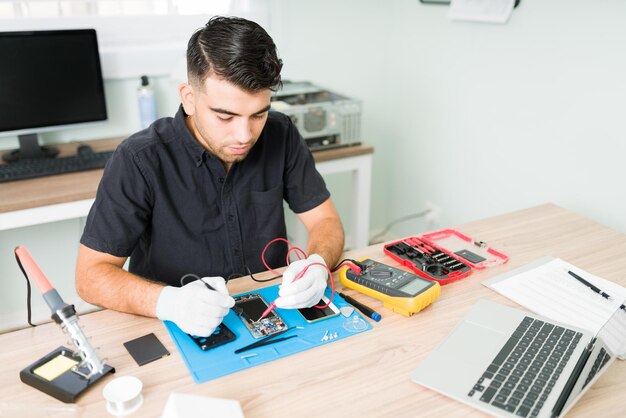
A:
[511,363]
[546,288]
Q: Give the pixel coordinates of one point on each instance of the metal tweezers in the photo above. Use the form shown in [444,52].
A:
[266,341]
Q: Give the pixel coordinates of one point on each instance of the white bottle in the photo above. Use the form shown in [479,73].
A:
[147,103]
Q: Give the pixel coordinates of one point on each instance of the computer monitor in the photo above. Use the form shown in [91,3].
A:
[49,80]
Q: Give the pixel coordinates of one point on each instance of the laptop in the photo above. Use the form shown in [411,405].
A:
[512,363]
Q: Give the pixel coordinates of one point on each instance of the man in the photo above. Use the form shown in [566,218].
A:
[202,193]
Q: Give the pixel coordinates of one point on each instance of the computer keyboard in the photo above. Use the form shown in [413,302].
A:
[522,375]
[601,360]
[39,167]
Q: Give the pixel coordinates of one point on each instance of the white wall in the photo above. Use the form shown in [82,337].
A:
[339,45]
[498,117]
[477,118]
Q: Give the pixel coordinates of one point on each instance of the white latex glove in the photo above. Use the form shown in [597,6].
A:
[196,309]
[307,290]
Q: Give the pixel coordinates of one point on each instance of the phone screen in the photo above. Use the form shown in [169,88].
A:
[313,314]
[253,307]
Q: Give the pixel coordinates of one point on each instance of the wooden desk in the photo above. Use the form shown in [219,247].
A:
[69,196]
[364,375]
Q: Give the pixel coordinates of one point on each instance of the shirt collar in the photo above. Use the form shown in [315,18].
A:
[195,150]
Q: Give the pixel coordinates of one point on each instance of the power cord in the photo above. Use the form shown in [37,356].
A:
[29,312]
[376,238]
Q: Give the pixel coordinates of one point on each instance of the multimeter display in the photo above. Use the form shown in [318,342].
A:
[414,287]
[401,291]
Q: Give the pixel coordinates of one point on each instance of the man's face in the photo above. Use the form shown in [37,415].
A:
[225,119]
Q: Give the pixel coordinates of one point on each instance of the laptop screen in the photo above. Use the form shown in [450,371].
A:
[610,342]
[613,333]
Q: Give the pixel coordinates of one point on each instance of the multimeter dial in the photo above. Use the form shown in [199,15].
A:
[401,291]
[389,280]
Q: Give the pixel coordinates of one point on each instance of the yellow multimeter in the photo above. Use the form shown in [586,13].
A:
[401,291]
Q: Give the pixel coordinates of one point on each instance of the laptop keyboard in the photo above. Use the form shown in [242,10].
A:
[602,358]
[522,375]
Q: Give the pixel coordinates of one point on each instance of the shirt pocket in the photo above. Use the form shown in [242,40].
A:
[267,209]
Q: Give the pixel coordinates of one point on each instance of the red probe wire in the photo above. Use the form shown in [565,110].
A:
[301,255]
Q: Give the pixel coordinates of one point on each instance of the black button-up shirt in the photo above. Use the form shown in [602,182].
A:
[171,206]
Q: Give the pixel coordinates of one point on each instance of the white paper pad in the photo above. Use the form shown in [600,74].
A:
[546,288]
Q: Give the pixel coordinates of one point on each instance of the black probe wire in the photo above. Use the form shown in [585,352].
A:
[334,269]
[195,276]
[348,260]
[262,280]
[182,279]
[235,308]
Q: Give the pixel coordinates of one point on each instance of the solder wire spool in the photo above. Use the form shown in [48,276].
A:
[123,395]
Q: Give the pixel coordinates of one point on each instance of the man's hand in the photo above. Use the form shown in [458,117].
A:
[196,309]
[307,290]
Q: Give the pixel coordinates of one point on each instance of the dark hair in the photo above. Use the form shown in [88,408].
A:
[236,49]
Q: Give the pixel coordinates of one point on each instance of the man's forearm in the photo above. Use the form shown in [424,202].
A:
[327,240]
[111,287]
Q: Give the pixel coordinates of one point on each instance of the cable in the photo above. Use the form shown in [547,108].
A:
[290,248]
[374,239]
[352,264]
[301,255]
[262,280]
[182,279]
[332,282]
[19,263]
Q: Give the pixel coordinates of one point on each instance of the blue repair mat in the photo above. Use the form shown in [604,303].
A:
[222,360]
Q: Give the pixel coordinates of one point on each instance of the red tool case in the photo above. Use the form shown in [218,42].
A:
[443,256]
[475,253]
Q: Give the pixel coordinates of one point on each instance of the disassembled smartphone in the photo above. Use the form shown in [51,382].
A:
[221,335]
[250,307]
[314,314]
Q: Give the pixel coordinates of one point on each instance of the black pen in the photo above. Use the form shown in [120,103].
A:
[589,285]
[594,288]
[367,311]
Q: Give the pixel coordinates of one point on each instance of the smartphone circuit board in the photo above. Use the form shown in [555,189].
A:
[249,308]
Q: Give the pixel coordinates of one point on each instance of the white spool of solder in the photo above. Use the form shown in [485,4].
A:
[123,395]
